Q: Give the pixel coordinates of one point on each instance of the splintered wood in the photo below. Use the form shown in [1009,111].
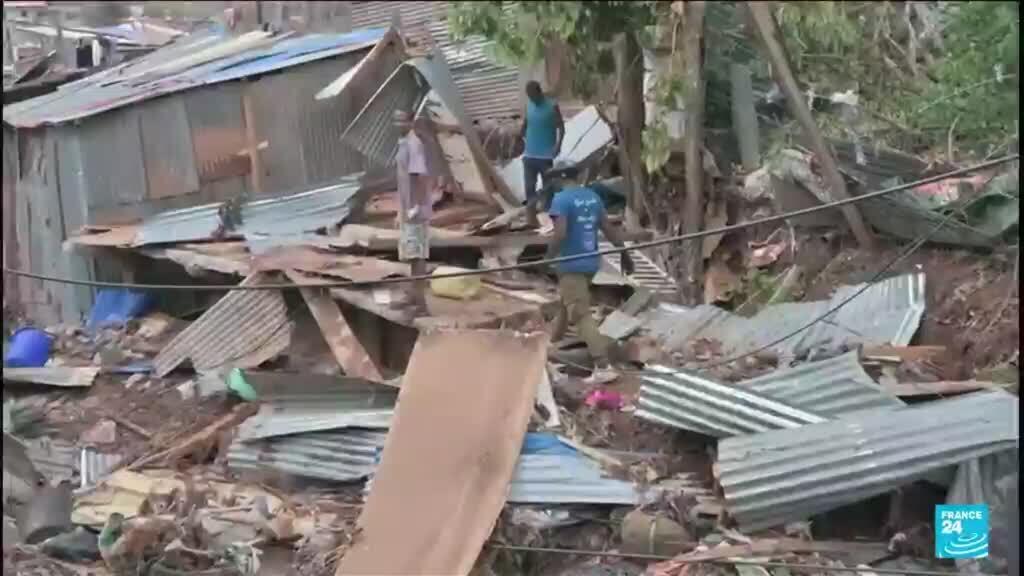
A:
[462,414]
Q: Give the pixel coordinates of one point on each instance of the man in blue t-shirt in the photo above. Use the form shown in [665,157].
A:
[543,129]
[579,218]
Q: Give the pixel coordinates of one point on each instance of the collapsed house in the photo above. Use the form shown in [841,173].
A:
[301,193]
[201,121]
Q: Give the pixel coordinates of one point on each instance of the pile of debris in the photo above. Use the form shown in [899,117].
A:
[333,430]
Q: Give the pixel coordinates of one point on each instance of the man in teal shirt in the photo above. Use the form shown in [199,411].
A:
[542,134]
[579,218]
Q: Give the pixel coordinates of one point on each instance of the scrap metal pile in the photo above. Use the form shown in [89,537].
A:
[398,444]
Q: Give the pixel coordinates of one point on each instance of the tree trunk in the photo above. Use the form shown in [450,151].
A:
[629,71]
[768,31]
[693,138]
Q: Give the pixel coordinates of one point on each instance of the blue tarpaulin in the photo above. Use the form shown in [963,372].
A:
[116,306]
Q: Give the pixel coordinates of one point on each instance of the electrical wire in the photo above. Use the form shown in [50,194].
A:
[725,561]
[522,265]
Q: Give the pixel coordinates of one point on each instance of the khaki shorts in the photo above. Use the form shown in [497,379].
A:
[414,241]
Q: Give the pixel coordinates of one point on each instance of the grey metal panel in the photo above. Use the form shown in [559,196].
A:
[340,456]
[646,274]
[112,161]
[321,122]
[373,132]
[94,466]
[496,94]
[785,475]
[296,418]
[832,387]
[566,479]
[690,402]
[167,150]
[78,300]
[305,211]
[412,13]
[489,89]
[889,312]
[242,323]
[674,325]
[297,403]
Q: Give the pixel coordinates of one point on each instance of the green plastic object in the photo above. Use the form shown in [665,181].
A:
[238,385]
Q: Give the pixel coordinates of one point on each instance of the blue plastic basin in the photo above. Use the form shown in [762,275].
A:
[29,348]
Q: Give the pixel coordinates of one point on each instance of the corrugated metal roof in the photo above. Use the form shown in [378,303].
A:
[343,456]
[834,387]
[94,466]
[262,220]
[244,328]
[297,403]
[182,66]
[786,475]
[489,89]
[551,472]
[566,479]
[646,273]
[690,402]
[373,132]
[889,312]
[381,13]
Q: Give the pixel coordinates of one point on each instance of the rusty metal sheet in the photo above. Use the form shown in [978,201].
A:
[470,392]
[344,344]
[243,329]
[311,260]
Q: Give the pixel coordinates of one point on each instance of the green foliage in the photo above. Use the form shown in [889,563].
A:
[521,30]
[977,80]
[965,72]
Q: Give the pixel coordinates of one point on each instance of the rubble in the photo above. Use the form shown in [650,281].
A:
[461,430]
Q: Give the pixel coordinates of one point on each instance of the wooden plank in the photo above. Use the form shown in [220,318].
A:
[251,145]
[768,30]
[347,350]
[903,353]
[905,389]
[464,407]
[64,376]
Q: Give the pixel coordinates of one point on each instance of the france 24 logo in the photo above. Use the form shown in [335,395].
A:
[961,531]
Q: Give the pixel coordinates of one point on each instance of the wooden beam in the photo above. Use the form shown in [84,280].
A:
[768,31]
[252,147]
[343,342]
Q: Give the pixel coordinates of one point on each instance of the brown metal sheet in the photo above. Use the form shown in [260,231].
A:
[243,329]
[344,344]
[121,237]
[314,261]
[463,409]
